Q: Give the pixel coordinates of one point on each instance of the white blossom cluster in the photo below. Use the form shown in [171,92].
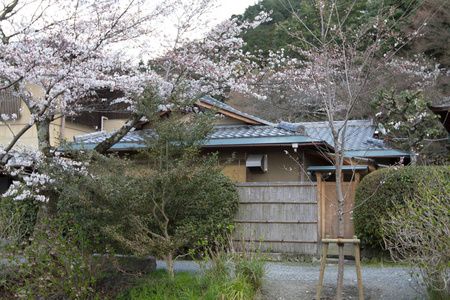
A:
[419,68]
[28,166]
[60,56]
[72,49]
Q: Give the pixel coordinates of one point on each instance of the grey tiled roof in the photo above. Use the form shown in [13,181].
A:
[249,131]
[359,134]
[97,137]
[220,132]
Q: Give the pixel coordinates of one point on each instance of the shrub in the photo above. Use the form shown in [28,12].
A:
[418,233]
[52,265]
[17,218]
[168,211]
[147,211]
[383,191]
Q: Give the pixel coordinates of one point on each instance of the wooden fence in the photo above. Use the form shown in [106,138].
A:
[284,214]
[293,217]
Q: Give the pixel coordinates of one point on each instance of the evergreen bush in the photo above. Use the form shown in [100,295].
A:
[381,191]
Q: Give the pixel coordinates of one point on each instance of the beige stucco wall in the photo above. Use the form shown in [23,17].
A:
[28,139]
[63,130]
[281,167]
[112,125]
[59,129]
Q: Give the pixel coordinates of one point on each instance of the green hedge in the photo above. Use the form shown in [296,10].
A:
[17,218]
[382,191]
[198,200]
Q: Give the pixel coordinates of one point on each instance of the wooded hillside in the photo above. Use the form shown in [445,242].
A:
[422,63]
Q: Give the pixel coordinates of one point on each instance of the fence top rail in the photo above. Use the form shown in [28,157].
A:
[269,184]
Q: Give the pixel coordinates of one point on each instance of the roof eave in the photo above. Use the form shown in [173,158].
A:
[247,119]
[213,143]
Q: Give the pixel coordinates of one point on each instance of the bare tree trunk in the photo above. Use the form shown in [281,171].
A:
[169,262]
[43,134]
[340,218]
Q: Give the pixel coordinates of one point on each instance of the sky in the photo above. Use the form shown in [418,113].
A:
[224,10]
[230,7]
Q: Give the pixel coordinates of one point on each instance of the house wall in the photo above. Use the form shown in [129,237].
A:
[113,125]
[282,167]
[66,130]
[59,129]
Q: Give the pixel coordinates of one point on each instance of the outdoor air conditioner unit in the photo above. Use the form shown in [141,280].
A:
[257,163]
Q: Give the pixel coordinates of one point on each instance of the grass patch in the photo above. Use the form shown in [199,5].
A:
[190,286]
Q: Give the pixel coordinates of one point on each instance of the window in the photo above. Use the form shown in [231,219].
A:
[9,104]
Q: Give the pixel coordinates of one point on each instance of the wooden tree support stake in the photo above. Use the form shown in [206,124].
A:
[355,241]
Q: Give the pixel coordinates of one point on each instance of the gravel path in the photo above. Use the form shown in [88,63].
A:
[286,281]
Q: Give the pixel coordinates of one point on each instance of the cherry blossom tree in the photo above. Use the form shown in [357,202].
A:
[190,69]
[70,50]
[55,55]
[338,64]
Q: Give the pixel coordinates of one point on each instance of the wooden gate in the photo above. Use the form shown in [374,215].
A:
[284,214]
[328,211]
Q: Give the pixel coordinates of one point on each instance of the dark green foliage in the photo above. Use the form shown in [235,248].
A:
[84,201]
[408,121]
[418,234]
[53,264]
[383,191]
[265,37]
[17,218]
[197,198]
[281,32]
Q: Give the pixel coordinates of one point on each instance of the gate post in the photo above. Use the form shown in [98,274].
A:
[355,241]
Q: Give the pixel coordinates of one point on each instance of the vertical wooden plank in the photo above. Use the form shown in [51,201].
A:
[322,269]
[357,177]
[279,213]
[320,206]
[358,270]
